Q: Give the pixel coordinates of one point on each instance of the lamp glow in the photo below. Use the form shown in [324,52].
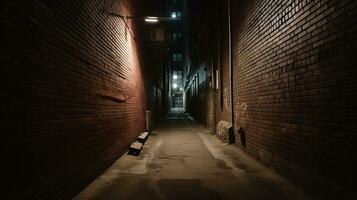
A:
[151,19]
[173,15]
[174,86]
[174,77]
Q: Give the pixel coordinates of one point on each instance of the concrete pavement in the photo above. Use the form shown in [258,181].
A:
[182,160]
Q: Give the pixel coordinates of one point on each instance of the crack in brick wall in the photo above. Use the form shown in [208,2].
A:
[74,90]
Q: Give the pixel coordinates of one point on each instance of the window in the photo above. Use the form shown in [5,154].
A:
[176,80]
[157,35]
[176,75]
[177,57]
[176,14]
[176,36]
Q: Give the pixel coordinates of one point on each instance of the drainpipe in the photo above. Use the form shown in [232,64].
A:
[230,63]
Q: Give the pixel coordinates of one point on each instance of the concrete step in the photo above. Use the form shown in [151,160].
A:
[143,137]
[135,148]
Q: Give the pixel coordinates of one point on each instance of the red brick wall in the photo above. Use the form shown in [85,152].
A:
[208,52]
[223,107]
[202,106]
[295,88]
[72,94]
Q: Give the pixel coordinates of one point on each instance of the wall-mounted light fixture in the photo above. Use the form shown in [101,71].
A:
[160,19]
[146,19]
[151,19]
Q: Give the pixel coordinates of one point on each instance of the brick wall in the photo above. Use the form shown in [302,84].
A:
[209,53]
[72,94]
[223,97]
[200,102]
[295,89]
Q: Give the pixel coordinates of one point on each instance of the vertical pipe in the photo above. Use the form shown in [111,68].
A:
[219,45]
[230,61]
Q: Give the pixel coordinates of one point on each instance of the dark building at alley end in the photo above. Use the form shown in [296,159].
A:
[81,80]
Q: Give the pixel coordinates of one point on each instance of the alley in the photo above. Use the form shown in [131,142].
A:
[245,100]
[183,160]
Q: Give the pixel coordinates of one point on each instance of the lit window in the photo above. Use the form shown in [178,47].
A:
[176,14]
[177,57]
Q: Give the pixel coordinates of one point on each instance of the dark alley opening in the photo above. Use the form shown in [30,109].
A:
[178,99]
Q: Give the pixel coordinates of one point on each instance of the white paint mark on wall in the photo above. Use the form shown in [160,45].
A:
[240,109]
[226,100]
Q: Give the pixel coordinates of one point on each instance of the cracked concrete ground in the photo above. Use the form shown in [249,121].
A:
[182,160]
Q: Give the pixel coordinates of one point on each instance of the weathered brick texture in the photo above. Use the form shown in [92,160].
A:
[200,102]
[295,88]
[223,97]
[72,94]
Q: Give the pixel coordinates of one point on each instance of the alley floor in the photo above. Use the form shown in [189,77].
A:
[183,160]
